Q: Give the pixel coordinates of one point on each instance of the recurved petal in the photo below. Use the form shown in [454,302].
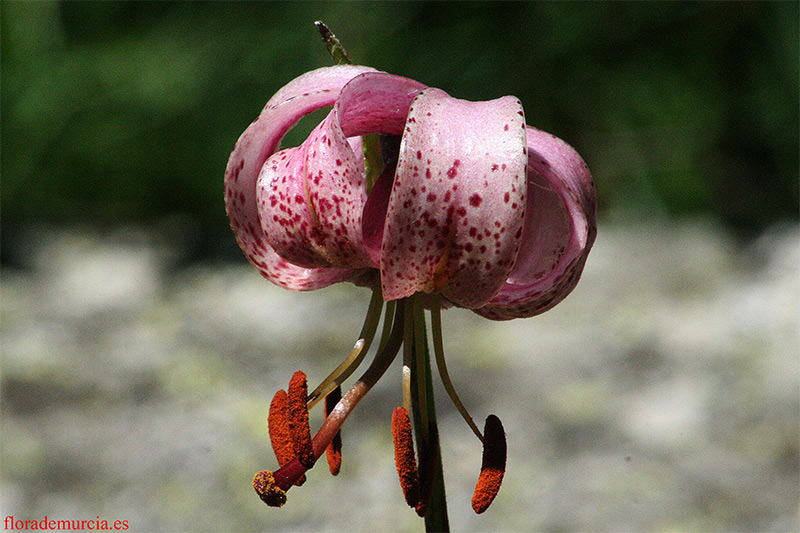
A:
[312,197]
[301,96]
[559,231]
[455,214]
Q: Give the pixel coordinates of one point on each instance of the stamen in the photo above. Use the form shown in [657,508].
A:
[298,419]
[493,466]
[288,474]
[332,381]
[334,449]
[359,351]
[416,357]
[438,350]
[407,387]
[279,434]
[388,324]
[266,488]
[404,458]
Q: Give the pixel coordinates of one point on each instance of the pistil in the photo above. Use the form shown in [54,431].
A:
[359,351]
[269,485]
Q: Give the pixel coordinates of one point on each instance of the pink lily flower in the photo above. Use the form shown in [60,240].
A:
[472,208]
[495,215]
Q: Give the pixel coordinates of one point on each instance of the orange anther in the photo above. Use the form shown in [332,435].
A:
[279,434]
[404,456]
[278,424]
[493,466]
[298,419]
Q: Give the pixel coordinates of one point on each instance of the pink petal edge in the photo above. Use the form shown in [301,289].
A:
[550,262]
[303,95]
[311,198]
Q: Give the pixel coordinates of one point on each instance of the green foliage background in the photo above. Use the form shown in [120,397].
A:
[125,112]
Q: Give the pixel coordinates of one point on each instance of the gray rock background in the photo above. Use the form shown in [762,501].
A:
[661,396]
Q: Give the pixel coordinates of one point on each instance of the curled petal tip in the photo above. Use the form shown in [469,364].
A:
[301,96]
[558,234]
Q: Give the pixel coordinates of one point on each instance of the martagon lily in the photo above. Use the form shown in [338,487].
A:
[430,201]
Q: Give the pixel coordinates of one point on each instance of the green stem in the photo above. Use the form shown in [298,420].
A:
[428,449]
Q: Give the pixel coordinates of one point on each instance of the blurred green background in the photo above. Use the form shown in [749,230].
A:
[125,112]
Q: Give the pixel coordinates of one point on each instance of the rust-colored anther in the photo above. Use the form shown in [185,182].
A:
[493,466]
[428,463]
[279,434]
[266,488]
[404,456]
[298,419]
[334,450]
[278,424]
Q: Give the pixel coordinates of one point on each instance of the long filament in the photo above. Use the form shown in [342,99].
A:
[285,476]
[388,321]
[357,354]
[438,350]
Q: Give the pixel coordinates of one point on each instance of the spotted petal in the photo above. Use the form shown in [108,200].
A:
[559,231]
[455,214]
[312,197]
[311,91]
